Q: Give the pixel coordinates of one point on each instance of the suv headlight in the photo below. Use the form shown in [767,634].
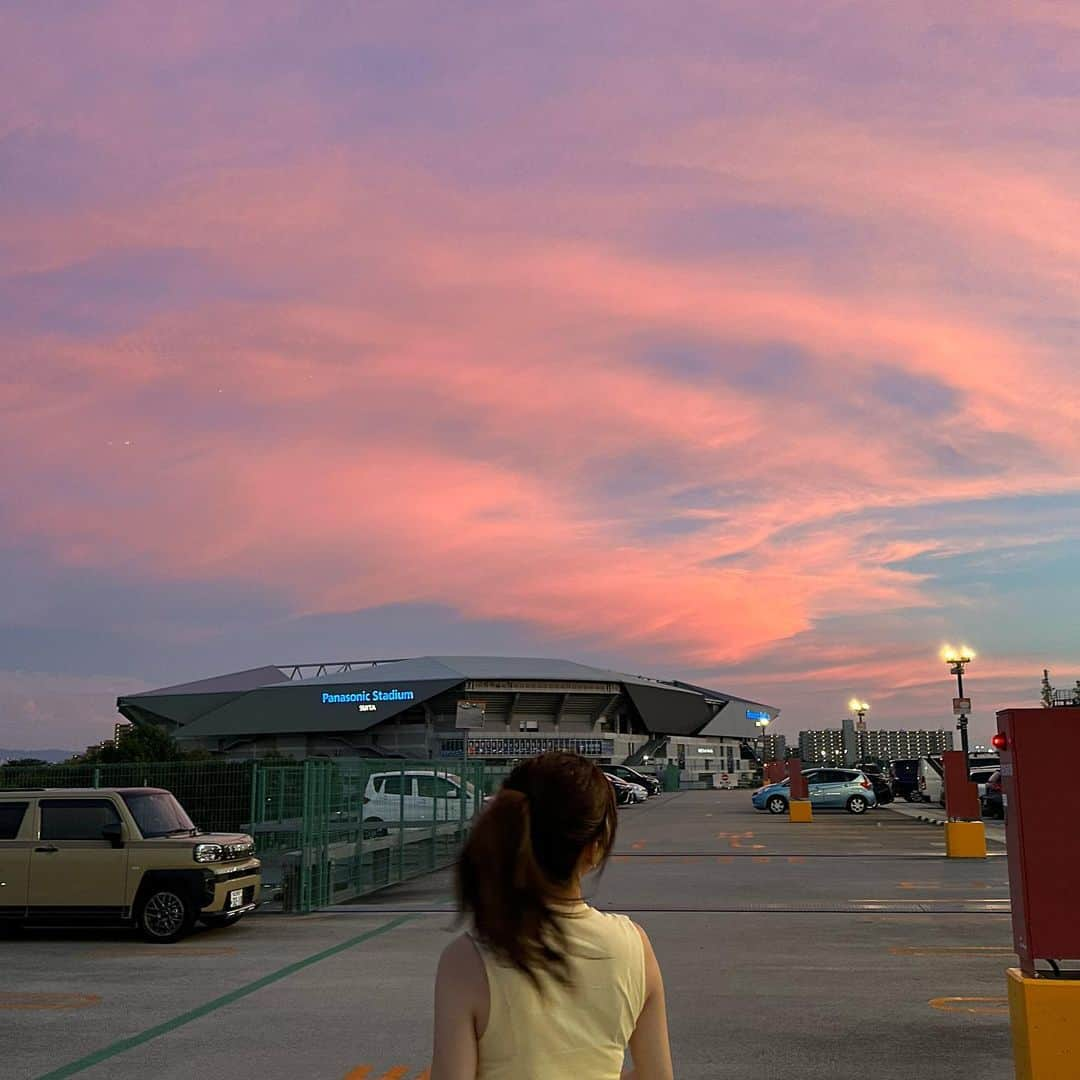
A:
[208,853]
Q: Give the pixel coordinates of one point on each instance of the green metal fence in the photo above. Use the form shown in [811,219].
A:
[217,794]
[327,830]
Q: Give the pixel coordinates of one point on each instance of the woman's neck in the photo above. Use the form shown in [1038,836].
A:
[571,891]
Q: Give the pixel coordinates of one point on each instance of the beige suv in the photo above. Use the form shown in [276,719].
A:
[119,854]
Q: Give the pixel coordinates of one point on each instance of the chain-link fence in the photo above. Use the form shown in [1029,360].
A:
[327,830]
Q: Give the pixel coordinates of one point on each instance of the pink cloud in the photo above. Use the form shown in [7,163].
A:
[421,384]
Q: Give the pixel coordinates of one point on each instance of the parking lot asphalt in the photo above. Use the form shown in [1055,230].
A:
[847,947]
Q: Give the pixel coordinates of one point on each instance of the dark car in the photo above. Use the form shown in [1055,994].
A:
[905,779]
[632,776]
[625,792]
[993,801]
[882,786]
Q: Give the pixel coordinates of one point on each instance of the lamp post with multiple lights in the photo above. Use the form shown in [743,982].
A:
[860,709]
[957,659]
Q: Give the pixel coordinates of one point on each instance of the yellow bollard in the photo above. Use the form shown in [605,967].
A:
[800,810]
[1045,1018]
[965,840]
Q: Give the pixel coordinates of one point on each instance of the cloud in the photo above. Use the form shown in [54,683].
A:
[629,336]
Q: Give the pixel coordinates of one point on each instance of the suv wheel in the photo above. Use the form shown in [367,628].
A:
[165,914]
[374,828]
[776,804]
[857,805]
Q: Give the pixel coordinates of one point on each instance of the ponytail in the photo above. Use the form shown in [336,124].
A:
[524,846]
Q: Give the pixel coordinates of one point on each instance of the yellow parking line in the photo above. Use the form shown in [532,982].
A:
[996,1005]
[359,1073]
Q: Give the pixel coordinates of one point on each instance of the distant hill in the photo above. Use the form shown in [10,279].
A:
[44,755]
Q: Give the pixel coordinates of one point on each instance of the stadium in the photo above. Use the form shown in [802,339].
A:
[483,708]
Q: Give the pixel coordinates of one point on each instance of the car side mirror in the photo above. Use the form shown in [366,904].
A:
[114,833]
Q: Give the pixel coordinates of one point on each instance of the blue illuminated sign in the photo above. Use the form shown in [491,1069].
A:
[367,697]
[757,714]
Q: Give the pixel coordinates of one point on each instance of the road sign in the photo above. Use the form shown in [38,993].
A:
[961,706]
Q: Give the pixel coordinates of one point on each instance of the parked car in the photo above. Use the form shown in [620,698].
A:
[932,774]
[625,792]
[651,784]
[993,797]
[120,855]
[904,774]
[837,789]
[981,776]
[882,787]
[417,796]
[931,782]
[882,783]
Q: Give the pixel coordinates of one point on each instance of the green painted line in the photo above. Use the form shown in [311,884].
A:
[123,1045]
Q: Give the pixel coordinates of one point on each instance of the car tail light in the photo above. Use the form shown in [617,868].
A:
[866,784]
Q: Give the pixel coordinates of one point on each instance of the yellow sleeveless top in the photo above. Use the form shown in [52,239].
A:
[576,1032]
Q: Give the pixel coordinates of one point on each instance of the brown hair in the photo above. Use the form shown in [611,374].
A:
[525,845]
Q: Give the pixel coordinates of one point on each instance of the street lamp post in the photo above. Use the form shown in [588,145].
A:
[860,708]
[761,725]
[957,659]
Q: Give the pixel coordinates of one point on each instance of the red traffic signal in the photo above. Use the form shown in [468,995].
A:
[998,740]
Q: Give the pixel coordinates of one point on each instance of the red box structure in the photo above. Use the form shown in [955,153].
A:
[1041,827]
[961,795]
[775,771]
[797,787]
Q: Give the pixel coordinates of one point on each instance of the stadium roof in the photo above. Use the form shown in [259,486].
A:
[278,698]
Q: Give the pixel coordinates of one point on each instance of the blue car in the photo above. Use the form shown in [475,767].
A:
[830,789]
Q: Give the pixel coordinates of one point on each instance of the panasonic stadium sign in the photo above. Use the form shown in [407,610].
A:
[367,700]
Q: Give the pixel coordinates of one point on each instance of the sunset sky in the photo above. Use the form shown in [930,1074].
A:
[728,341]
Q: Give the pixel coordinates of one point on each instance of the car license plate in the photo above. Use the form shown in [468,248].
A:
[236,898]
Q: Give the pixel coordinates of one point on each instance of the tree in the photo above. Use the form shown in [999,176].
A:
[26,762]
[1047,690]
[142,742]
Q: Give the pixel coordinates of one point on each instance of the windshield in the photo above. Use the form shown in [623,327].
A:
[157,813]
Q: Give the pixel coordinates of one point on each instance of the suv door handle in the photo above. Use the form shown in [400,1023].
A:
[47,849]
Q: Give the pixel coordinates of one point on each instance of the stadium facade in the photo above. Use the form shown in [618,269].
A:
[484,708]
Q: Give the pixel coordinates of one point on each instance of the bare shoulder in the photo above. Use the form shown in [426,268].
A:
[644,938]
[654,980]
[461,985]
[461,962]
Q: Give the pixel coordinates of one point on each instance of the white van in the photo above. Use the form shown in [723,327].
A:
[931,780]
[418,796]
